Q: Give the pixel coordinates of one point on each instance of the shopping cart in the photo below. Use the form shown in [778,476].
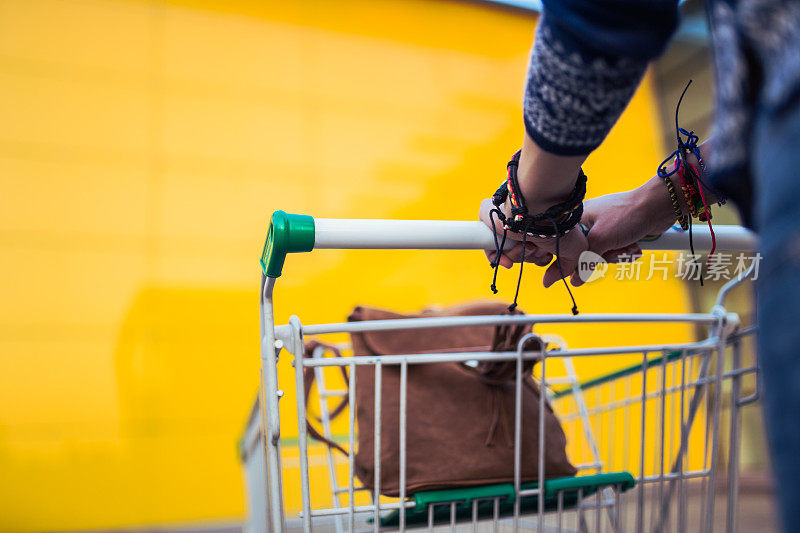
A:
[646,439]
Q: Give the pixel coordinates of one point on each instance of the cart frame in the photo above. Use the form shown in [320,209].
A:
[295,233]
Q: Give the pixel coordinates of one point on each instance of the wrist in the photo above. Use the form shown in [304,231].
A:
[652,202]
[546,179]
[554,221]
[543,192]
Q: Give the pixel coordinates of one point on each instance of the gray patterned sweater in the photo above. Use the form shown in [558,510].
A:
[589,56]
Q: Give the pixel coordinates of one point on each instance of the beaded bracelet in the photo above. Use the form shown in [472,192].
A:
[691,183]
[683,220]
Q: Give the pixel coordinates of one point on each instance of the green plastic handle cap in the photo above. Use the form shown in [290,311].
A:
[287,234]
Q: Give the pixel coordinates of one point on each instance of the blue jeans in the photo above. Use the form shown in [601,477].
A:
[776,172]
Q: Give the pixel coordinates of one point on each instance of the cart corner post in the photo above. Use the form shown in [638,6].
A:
[270,417]
[287,233]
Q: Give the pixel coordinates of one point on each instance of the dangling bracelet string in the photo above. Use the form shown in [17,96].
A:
[708,214]
[498,247]
[568,213]
[692,184]
[513,306]
[560,270]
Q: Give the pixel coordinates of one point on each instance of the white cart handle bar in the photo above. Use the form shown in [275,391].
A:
[301,233]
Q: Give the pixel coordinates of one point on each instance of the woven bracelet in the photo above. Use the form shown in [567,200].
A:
[682,219]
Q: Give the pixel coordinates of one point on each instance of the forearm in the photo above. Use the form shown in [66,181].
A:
[545,178]
[584,68]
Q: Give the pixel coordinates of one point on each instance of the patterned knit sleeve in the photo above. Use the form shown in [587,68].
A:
[584,69]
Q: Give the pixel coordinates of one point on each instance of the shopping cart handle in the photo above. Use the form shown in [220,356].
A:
[301,233]
[286,234]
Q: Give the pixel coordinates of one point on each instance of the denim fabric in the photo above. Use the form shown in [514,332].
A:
[776,172]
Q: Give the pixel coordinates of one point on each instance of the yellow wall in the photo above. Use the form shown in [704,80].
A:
[144,145]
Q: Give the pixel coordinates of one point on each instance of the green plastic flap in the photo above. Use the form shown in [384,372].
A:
[505,490]
[588,484]
[440,500]
[287,234]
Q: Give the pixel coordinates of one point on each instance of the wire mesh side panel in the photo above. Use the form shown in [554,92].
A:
[654,417]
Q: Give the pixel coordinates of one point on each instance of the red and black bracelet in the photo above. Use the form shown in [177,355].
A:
[556,221]
[553,223]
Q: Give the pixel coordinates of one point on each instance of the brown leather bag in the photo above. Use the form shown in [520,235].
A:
[460,420]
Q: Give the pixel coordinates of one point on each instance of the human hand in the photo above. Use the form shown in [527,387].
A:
[617,222]
[538,251]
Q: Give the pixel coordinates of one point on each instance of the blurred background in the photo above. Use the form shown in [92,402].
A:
[144,145]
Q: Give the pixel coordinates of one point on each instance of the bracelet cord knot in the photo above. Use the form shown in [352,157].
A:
[555,222]
[691,182]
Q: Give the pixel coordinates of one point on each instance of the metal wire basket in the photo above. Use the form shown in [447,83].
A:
[646,438]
